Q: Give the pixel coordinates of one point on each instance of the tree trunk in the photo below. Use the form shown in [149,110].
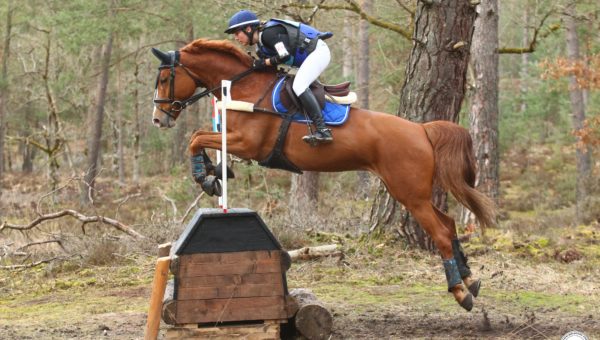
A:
[179,145]
[524,59]
[347,47]
[96,136]
[52,130]
[26,150]
[363,185]
[304,196]
[433,89]
[120,126]
[484,104]
[137,150]
[577,111]
[4,83]
[363,57]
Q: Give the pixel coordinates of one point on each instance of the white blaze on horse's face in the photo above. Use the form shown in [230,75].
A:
[165,113]
[159,118]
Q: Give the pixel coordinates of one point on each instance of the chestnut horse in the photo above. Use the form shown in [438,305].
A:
[408,157]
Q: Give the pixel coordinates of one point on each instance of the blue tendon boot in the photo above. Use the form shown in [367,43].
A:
[209,184]
[463,268]
[453,278]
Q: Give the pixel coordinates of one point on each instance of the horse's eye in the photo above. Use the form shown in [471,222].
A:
[163,80]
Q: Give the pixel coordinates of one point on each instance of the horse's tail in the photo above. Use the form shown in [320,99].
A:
[455,168]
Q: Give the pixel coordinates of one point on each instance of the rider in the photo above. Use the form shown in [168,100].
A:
[295,44]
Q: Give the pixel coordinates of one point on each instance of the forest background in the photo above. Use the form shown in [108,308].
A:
[76,84]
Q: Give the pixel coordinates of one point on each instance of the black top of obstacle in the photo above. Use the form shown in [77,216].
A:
[213,231]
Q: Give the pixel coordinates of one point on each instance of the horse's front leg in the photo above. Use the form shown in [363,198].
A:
[203,170]
[202,167]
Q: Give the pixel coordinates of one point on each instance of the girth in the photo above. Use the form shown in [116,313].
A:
[277,159]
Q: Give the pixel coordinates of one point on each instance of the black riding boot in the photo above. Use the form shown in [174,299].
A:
[323,134]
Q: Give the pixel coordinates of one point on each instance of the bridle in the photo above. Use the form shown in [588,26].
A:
[176,106]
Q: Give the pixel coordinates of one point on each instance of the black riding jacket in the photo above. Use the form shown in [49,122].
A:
[269,37]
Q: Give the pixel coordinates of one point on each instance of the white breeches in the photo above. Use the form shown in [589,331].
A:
[312,67]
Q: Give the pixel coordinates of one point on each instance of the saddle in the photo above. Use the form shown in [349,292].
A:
[290,100]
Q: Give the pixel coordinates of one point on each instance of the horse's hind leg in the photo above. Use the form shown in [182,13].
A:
[459,255]
[424,213]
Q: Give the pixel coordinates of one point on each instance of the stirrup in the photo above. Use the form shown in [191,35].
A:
[318,138]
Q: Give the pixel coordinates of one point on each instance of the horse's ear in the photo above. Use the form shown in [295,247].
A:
[162,56]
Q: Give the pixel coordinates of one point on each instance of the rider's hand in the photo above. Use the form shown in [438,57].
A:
[259,64]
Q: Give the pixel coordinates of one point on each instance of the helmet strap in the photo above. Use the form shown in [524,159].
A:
[250,34]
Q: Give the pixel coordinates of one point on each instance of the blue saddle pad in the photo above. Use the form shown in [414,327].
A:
[333,114]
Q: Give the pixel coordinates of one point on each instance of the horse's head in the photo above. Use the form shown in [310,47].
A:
[174,85]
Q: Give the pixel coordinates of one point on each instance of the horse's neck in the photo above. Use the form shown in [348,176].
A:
[213,67]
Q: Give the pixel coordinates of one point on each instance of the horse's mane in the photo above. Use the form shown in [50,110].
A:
[197,46]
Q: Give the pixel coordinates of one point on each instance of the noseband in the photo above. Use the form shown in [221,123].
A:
[176,106]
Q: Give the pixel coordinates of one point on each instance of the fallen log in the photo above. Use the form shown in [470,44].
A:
[312,319]
[169,306]
[310,253]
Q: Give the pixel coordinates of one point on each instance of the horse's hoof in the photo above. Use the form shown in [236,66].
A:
[474,287]
[467,302]
[218,171]
[211,186]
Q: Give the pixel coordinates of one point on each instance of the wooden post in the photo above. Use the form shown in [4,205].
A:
[156,299]
[164,249]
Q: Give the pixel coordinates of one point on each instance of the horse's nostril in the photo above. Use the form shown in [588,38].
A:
[156,121]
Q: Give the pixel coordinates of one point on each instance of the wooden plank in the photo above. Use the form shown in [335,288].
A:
[231,280]
[235,309]
[213,269]
[236,257]
[235,291]
[266,331]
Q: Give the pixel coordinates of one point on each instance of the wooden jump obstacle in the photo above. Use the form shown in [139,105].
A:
[229,276]
[229,282]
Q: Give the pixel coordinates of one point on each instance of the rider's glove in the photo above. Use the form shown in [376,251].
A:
[259,64]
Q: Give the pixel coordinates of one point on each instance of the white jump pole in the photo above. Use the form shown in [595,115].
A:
[225,99]
[216,121]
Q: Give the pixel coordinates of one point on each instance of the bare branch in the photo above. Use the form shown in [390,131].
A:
[189,209]
[314,11]
[38,205]
[35,264]
[354,7]
[27,141]
[83,218]
[40,242]
[536,37]
[406,8]
[122,201]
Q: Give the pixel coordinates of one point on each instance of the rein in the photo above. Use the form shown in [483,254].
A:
[179,105]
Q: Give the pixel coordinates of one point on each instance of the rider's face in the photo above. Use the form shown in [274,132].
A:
[242,37]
